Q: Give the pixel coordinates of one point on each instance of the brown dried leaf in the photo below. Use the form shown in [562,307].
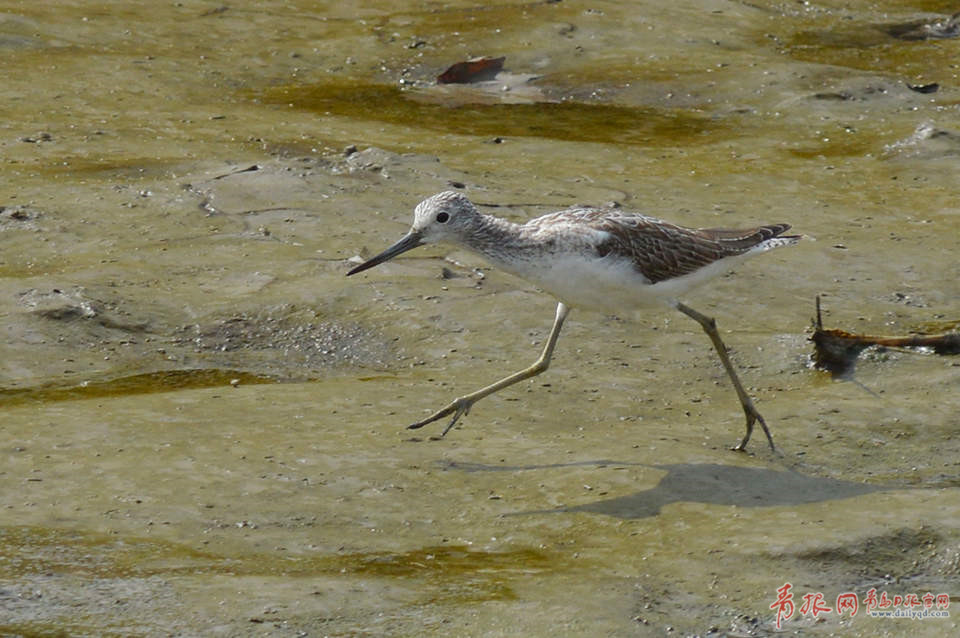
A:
[475,70]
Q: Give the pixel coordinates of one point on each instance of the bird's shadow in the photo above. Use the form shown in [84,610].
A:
[703,483]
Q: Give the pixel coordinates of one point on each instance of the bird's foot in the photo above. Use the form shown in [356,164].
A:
[459,407]
[753,416]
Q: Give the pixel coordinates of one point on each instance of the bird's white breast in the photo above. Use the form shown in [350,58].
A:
[583,281]
[609,284]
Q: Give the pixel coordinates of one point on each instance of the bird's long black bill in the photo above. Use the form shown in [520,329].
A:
[410,241]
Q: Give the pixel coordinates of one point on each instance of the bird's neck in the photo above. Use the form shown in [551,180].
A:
[493,237]
[504,244]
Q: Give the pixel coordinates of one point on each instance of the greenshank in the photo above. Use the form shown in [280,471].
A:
[600,259]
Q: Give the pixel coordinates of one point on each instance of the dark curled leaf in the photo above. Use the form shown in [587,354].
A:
[475,70]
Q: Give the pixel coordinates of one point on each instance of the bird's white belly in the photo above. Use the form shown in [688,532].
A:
[609,285]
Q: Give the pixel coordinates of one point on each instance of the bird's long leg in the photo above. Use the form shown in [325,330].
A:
[462,405]
[709,326]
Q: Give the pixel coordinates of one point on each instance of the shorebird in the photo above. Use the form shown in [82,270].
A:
[599,259]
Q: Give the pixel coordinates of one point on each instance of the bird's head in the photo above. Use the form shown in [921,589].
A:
[444,217]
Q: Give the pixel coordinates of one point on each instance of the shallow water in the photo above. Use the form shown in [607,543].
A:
[202,418]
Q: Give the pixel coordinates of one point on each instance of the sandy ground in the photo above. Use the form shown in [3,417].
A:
[201,418]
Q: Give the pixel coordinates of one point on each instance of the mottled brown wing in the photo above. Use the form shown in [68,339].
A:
[747,238]
[661,251]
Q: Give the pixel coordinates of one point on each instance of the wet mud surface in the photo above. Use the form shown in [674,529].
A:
[202,419]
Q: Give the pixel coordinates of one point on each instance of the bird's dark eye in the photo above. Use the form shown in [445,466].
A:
[443,217]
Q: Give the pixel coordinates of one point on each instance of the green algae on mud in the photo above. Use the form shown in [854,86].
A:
[566,121]
[143,383]
[836,41]
[454,573]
